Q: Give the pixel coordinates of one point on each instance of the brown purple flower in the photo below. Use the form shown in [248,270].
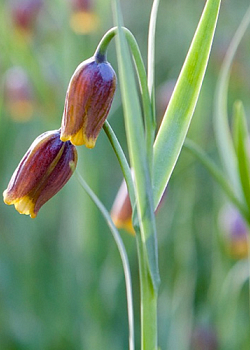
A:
[42,172]
[88,101]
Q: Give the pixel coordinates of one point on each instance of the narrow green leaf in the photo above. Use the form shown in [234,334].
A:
[137,149]
[180,110]
[241,144]
[217,175]
[151,50]
[221,126]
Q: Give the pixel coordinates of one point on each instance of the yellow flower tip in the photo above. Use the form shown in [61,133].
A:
[123,224]
[24,205]
[79,139]
[65,138]
[6,199]
[90,143]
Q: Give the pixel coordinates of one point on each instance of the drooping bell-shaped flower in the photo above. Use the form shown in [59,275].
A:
[43,171]
[88,101]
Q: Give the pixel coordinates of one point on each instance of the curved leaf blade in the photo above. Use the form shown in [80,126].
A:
[221,125]
[137,150]
[241,143]
[180,110]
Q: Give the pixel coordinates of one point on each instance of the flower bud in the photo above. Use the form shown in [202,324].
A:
[88,101]
[121,212]
[42,172]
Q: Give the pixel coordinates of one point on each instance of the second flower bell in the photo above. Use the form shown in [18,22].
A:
[88,101]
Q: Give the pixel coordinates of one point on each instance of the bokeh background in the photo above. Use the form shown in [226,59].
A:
[61,278]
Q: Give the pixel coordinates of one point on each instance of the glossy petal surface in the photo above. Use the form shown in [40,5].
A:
[88,101]
[42,172]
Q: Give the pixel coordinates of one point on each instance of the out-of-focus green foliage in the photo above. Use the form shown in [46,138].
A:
[61,279]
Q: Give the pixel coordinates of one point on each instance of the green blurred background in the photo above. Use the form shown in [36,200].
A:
[61,278]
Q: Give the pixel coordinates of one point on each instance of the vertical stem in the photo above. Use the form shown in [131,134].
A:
[148,303]
[123,254]
[148,294]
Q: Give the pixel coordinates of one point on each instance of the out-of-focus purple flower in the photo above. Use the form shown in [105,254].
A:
[25,13]
[204,338]
[83,19]
[88,101]
[235,232]
[82,5]
[18,94]
[43,171]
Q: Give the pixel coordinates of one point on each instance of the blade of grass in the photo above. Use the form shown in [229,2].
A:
[221,126]
[180,110]
[146,231]
[241,143]
[151,56]
[137,153]
[218,176]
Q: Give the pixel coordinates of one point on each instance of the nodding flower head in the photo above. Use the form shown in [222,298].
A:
[42,172]
[88,101]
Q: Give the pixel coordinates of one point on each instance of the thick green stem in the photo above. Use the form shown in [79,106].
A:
[101,55]
[148,303]
[148,294]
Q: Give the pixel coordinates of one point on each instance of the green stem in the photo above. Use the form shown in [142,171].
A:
[217,175]
[122,160]
[123,254]
[148,302]
[101,55]
[148,295]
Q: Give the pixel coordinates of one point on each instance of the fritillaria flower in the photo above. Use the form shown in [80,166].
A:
[204,337]
[25,13]
[18,94]
[235,232]
[83,19]
[88,101]
[121,212]
[43,171]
